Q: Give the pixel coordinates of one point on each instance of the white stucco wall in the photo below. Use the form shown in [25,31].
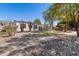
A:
[35,29]
[18,27]
[27,27]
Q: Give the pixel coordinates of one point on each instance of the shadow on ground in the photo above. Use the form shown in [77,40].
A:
[29,45]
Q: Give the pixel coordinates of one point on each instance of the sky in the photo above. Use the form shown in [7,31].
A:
[23,11]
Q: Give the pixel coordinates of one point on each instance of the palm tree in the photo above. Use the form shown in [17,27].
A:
[67,12]
[77,18]
[73,12]
[49,16]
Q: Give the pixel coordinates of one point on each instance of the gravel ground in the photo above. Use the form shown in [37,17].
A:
[35,45]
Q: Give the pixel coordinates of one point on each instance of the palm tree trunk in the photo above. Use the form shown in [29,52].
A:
[51,25]
[77,22]
[66,19]
[77,28]
[65,27]
[78,32]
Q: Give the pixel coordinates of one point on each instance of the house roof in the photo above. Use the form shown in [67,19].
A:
[21,21]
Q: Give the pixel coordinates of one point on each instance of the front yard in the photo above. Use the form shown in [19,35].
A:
[41,44]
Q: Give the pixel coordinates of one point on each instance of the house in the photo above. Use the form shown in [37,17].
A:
[35,27]
[23,26]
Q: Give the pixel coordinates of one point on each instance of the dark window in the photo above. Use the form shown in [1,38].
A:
[35,26]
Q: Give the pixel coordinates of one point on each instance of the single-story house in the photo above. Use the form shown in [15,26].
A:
[23,26]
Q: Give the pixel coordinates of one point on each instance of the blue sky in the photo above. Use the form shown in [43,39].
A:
[23,11]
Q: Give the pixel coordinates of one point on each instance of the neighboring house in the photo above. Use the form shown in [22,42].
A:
[23,26]
[35,27]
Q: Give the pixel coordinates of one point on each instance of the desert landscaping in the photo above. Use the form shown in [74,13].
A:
[34,44]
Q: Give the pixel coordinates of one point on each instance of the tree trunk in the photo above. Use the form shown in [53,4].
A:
[51,27]
[77,28]
[78,32]
[65,29]
[77,22]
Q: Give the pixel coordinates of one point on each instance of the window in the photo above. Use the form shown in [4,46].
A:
[35,26]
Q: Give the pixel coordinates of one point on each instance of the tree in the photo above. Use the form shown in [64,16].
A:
[72,10]
[67,12]
[61,25]
[37,21]
[72,24]
[49,17]
[30,26]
